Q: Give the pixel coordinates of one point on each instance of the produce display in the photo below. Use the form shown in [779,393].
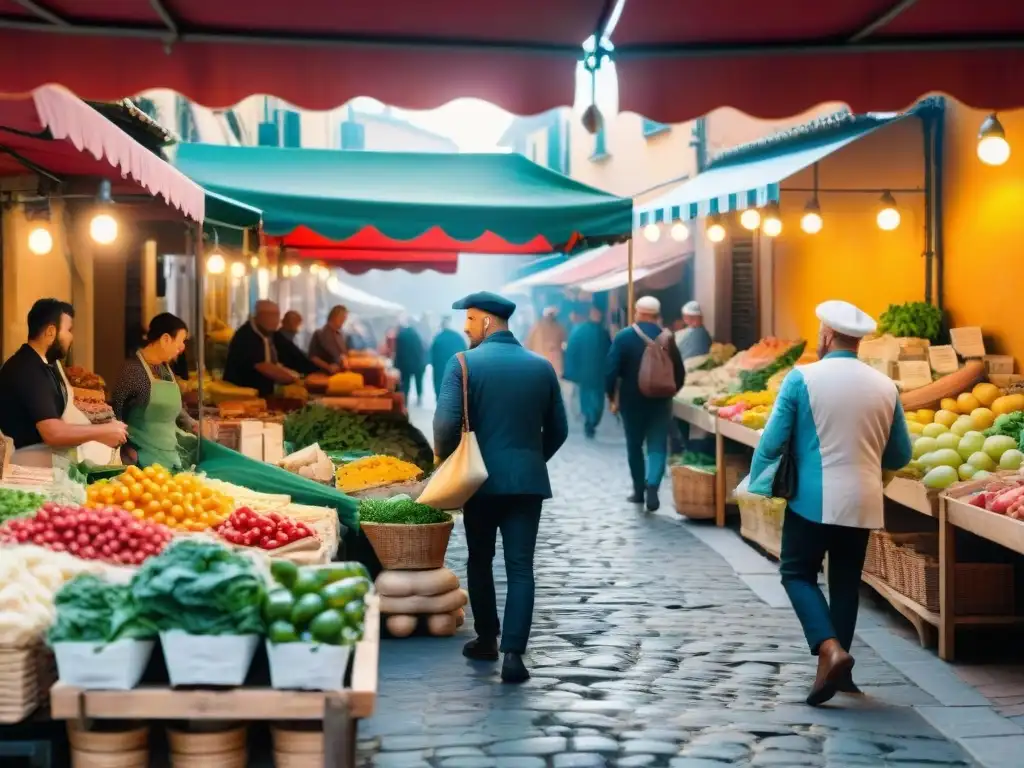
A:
[108,534]
[217,392]
[199,587]
[767,351]
[400,510]
[374,471]
[1004,496]
[29,578]
[757,380]
[760,368]
[310,462]
[93,610]
[14,503]
[80,378]
[345,383]
[247,528]
[718,355]
[320,605]
[183,501]
[917,319]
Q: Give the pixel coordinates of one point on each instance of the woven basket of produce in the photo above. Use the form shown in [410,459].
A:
[693,491]
[406,536]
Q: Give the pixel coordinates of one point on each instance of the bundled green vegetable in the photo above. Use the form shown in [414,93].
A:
[757,381]
[400,510]
[694,459]
[18,503]
[200,587]
[90,609]
[916,319]
[1010,425]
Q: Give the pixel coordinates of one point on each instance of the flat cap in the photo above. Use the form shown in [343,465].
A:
[843,317]
[488,302]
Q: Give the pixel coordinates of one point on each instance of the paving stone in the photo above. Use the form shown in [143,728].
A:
[789,744]
[542,745]
[520,762]
[727,752]
[778,758]
[480,761]
[595,744]
[401,759]
[579,760]
[648,747]
[636,761]
[694,762]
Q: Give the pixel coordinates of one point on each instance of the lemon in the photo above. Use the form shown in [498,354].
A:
[946,417]
[985,393]
[949,404]
[982,418]
[925,416]
[967,402]
[915,428]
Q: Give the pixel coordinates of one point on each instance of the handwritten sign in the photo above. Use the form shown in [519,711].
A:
[914,374]
[943,359]
[968,342]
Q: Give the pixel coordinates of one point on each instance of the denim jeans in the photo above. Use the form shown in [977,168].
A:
[804,546]
[647,427]
[517,517]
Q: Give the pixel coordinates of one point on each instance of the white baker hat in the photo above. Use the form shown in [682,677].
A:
[648,304]
[692,308]
[842,317]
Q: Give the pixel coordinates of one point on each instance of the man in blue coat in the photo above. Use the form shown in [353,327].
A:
[410,359]
[585,357]
[445,346]
[517,414]
[645,419]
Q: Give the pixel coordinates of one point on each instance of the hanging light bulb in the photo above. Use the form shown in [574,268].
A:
[324,273]
[237,269]
[40,241]
[652,232]
[888,217]
[811,221]
[750,219]
[216,264]
[254,262]
[715,230]
[296,270]
[103,227]
[993,148]
[679,231]
[771,222]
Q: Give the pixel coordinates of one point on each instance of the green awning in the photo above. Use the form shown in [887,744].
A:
[225,212]
[404,195]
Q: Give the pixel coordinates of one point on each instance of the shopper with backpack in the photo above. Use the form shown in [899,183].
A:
[643,373]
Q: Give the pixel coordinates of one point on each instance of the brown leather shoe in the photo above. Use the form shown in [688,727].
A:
[834,666]
[847,686]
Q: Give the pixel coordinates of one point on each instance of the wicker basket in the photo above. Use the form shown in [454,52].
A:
[874,559]
[693,492]
[761,521]
[409,547]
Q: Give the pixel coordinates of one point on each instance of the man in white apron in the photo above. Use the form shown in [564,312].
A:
[37,409]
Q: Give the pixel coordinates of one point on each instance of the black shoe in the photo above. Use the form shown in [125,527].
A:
[481,650]
[636,498]
[513,670]
[652,501]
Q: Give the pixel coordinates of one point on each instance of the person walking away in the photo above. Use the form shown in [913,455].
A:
[646,415]
[585,357]
[148,400]
[443,348]
[328,346]
[410,359]
[548,338]
[693,339]
[841,423]
[518,417]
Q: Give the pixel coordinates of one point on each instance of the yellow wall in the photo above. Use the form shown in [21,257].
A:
[984,231]
[851,258]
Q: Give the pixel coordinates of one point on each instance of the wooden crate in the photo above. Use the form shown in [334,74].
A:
[26,675]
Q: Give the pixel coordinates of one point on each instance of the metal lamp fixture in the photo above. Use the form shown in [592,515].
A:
[888,217]
[40,241]
[679,231]
[811,221]
[652,232]
[771,221]
[237,269]
[993,148]
[750,219]
[216,264]
[103,227]
[715,230]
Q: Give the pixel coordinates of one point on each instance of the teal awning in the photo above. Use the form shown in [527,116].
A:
[751,177]
[436,201]
[225,212]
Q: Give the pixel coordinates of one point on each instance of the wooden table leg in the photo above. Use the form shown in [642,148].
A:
[339,733]
[947,586]
[720,491]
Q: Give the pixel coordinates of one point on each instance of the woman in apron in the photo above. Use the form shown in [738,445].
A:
[147,398]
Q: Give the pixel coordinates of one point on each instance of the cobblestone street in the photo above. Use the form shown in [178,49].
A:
[647,650]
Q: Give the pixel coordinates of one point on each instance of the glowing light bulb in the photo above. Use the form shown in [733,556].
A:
[811,223]
[237,269]
[771,222]
[652,232]
[716,232]
[103,228]
[40,241]
[750,218]
[296,270]
[993,148]
[254,262]
[888,217]
[679,232]
[216,265]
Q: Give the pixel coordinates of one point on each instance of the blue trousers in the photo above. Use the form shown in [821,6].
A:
[647,427]
[592,405]
[408,379]
[517,517]
[804,546]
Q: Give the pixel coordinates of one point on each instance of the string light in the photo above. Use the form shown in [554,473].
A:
[237,269]
[679,231]
[40,241]
[715,231]
[254,262]
[103,227]
[216,265]
[771,222]
[652,232]
[811,222]
[993,148]
[888,217]
[750,219]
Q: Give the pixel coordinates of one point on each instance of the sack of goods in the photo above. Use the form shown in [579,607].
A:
[433,597]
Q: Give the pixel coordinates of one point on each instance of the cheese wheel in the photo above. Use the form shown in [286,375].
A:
[441,624]
[419,605]
[401,626]
[409,583]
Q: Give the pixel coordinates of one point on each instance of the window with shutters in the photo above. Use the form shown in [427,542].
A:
[743,307]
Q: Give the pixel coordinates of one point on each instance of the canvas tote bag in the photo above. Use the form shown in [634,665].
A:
[461,474]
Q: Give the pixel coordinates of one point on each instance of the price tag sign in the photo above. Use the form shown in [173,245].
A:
[914,374]
[943,359]
[968,342]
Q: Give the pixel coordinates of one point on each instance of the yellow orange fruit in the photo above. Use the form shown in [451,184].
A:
[949,404]
[967,402]
[982,418]
[1008,404]
[985,393]
[925,416]
[946,417]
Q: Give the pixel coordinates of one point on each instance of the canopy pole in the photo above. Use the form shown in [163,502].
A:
[196,238]
[630,297]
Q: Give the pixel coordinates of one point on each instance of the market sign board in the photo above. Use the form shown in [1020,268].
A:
[943,359]
[968,342]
